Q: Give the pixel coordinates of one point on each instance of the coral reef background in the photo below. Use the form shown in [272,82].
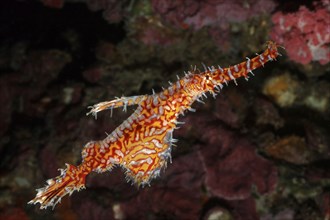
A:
[261,150]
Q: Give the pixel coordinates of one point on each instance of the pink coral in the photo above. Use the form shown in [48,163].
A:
[153,35]
[305,34]
[215,14]
[197,14]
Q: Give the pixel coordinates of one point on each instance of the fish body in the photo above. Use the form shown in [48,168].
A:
[142,144]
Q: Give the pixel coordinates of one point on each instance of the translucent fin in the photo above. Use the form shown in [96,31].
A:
[70,180]
[119,102]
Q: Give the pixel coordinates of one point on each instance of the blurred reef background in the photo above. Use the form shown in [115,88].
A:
[261,150]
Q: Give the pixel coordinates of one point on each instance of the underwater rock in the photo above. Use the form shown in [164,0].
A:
[14,214]
[244,209]
[317,138]
[107,53]
[219,209]
[231,107]
[93,75]
[233,167]
[72,95]
[287,91]
[317,97]
[53,3]
[49,164]
[326,205]
[286,214]
[267,114]
[6,93]
[114,182]
[113,10]
[217,213]
[152,33]
[292,149]
[283,89]
[90,208]
[45,65]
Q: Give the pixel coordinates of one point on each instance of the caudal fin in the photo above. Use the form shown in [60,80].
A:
[71,179]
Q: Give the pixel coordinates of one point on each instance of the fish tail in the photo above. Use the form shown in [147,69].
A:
[71,179]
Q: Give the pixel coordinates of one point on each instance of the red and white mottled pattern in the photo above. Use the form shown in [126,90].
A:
[142,144]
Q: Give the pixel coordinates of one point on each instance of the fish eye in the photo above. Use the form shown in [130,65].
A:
[207,77]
